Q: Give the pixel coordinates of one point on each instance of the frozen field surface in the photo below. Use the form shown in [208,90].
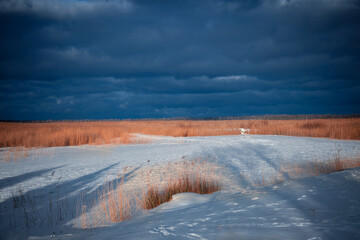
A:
[325,207]
[39,192]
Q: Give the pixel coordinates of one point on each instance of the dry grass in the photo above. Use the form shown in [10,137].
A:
[326,128]
[62,134]
[16,153]
[194,176]
[111,204]
[79,133]
[319,168]
[26,211]
[316,168]
[118,200]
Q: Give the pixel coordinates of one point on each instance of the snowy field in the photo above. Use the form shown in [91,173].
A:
[39,193]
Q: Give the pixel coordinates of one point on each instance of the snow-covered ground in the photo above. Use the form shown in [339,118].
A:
[40,192]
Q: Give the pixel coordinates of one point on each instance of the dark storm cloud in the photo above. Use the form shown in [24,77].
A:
[123,58]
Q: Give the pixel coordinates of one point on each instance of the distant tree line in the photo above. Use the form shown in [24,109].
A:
[286,117]
[258,117]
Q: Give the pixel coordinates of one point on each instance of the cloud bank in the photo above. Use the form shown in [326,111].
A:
[125,59]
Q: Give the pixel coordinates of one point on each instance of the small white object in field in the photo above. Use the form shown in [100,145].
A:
[243,131]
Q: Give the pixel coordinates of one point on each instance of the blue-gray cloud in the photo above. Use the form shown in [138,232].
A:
[123,58]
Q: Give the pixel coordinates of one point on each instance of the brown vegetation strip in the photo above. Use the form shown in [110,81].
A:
[107,132]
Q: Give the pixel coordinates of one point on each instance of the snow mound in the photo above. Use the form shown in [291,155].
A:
[184,200]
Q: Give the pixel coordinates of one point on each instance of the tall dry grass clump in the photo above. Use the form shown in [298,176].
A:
[111,204]
[107,132]
[119,200]
[193,176]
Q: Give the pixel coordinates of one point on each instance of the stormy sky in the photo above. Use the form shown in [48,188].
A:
[102,59]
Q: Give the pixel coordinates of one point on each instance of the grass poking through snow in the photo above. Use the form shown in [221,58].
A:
[118,200]
[315,168]
[109,205]
[318,168]
[184,182]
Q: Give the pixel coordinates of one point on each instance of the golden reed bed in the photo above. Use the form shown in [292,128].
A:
[107,132]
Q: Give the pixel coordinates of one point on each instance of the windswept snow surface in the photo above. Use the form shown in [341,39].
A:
[325,207]
[39,193]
